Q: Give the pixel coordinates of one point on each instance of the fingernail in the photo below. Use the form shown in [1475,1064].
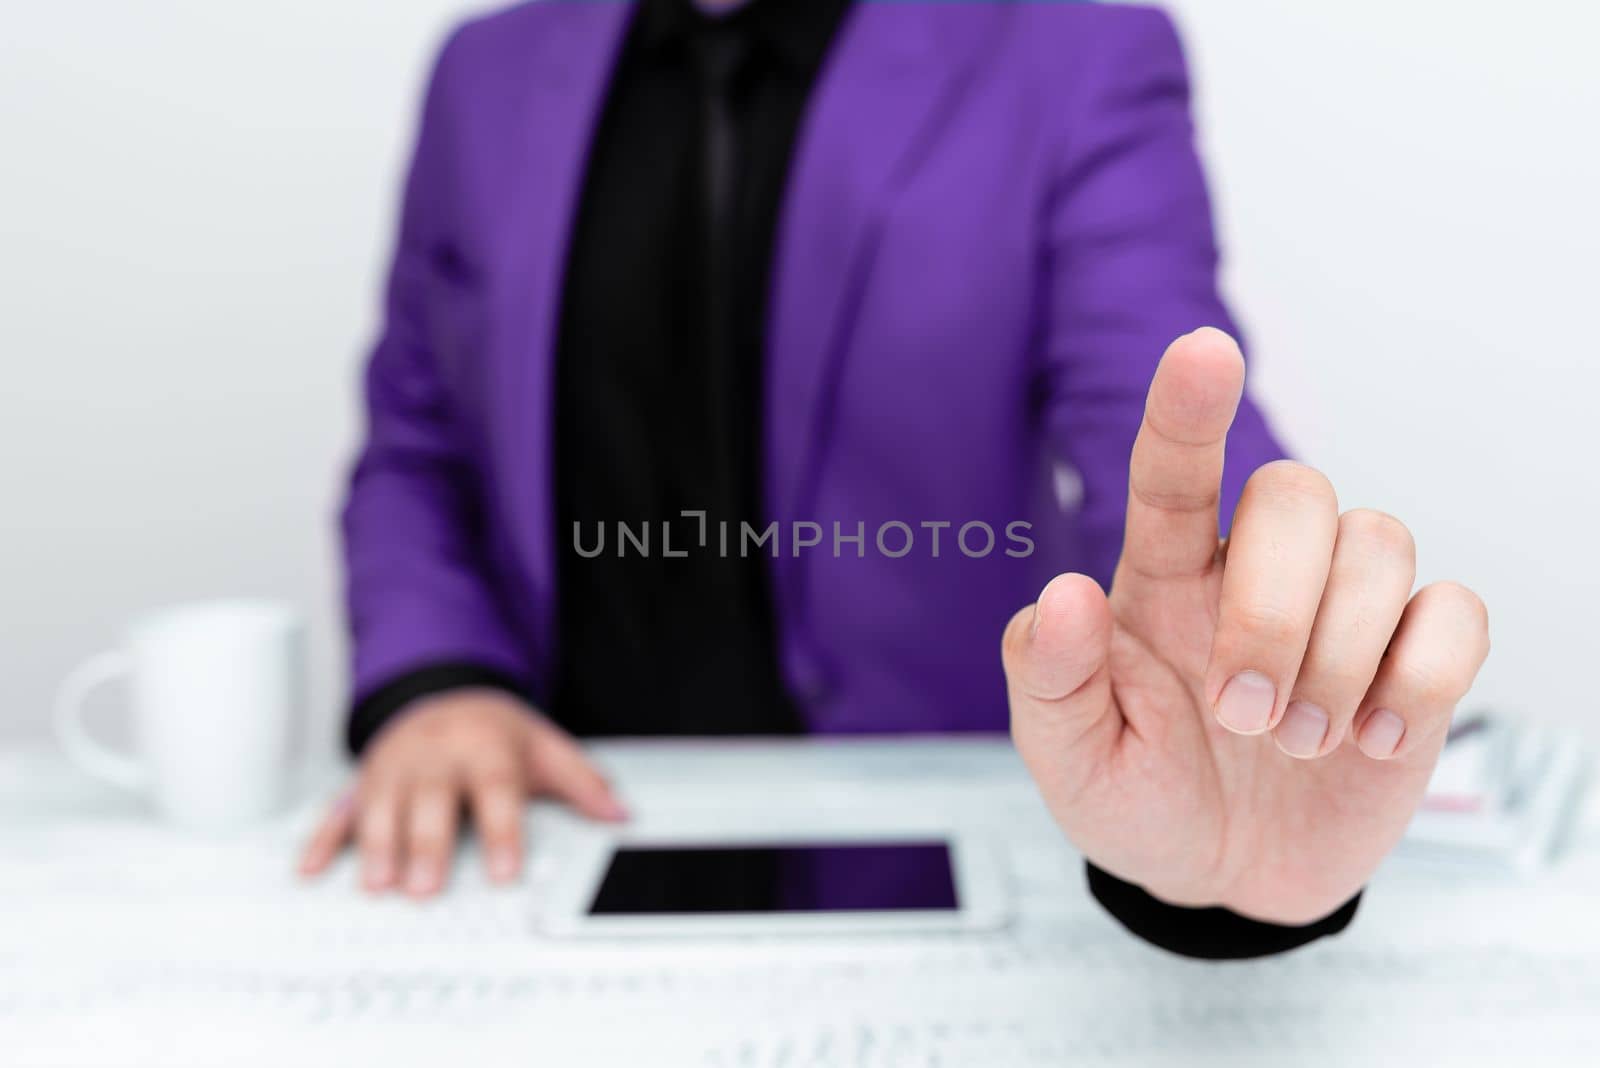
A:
[1380,735]
[1245,705]
[421,878]
[1033,630]
[502,865]
[1303,728]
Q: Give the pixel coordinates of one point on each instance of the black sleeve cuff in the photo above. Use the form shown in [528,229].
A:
[1208,933]
[368,715]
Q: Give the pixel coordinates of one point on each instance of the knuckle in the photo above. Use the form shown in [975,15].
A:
[1454,602]
[374,807]
[496,777]
[1430,683]
[500,827]
[499,834]
[1152,494]
[1337,687]
[427,845]
[1267,625]
[1379,532]
[1293,483]
[377,833]
[1458,600]
[437,797]
[429,829]
[499,822]
[376,836]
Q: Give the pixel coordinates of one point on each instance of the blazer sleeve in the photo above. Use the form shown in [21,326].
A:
[1132,266]
[419,595]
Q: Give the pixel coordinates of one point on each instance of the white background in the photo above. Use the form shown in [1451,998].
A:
[195,202]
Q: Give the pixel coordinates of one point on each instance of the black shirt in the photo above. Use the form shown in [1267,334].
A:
[659,384]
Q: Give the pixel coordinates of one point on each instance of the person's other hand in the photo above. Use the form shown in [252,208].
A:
[1247,723]
[477,750]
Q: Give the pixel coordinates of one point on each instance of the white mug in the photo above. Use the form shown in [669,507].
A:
[215,692]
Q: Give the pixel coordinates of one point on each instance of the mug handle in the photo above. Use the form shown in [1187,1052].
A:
[91,756]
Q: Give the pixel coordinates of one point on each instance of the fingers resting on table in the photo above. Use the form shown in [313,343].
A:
[472,757]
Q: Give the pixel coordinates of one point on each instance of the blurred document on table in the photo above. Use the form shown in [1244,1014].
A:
[1501,797]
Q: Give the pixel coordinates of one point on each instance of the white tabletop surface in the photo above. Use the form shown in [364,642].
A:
[125,943]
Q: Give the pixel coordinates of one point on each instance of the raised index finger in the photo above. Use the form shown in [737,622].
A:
[1175,476]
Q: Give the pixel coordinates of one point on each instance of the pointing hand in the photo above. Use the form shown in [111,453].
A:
[1247,723]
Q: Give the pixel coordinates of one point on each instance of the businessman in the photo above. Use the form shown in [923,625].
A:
[746,366]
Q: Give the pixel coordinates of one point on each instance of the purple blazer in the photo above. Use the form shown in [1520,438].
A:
[995,222]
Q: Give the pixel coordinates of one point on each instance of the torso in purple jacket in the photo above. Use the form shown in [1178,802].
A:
[995,222]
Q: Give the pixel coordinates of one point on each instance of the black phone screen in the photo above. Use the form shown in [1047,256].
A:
[779,877]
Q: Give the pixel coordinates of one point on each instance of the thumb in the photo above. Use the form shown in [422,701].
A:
[562,770]
[1056,655]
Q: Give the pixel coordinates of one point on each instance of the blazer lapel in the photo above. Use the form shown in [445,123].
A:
[895,71]
[569,69]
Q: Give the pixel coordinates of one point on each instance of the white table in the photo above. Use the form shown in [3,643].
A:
[122,943]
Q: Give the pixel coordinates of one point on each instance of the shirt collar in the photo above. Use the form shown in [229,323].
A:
[797,32]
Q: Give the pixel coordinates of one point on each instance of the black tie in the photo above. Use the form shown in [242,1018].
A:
[720,52]
[720,56]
